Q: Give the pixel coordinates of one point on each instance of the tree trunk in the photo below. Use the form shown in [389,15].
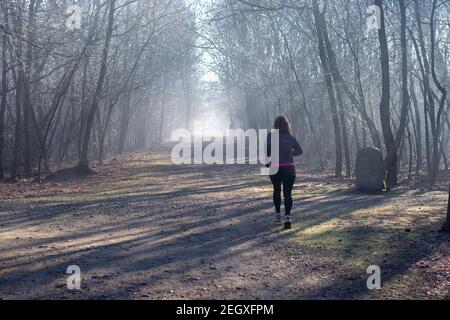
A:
[331,56]
[124,122]
[418,130]
[251,109]
[83,106]
[3,101]
[83,163]
[27,99]
[26,125]
[18,127]
[428,93]
[329,86]
[446,226]
[438,117]
[385,114]
[162,115]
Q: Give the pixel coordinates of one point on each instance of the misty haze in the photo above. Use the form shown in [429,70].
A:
[343,193]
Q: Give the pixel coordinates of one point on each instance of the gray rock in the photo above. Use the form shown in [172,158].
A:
[369,170]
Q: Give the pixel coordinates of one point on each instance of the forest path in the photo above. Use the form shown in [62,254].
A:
[146,229]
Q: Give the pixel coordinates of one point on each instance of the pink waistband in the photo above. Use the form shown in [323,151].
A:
[290,164]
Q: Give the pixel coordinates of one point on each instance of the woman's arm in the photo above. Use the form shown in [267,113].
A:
[298,151]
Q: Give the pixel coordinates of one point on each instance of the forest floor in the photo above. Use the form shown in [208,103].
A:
[146,229]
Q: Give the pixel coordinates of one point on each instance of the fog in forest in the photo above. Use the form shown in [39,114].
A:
[84,80]
[114,115]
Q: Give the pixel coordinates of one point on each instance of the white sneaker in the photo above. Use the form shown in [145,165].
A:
[287,222]
[277,217]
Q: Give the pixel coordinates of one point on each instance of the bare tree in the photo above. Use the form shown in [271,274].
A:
[83,164]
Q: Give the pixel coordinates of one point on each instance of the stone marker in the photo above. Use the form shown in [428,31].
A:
[369,170]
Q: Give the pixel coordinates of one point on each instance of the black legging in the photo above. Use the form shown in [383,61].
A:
[286,178]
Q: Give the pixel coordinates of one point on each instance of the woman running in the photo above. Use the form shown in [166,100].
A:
[288,149]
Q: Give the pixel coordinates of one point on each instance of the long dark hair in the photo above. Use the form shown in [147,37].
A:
[282,123]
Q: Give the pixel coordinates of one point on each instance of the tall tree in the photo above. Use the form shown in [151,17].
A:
[446,226]
[436,118]
[319,20]
[83,164]
[4,86]
[385,110]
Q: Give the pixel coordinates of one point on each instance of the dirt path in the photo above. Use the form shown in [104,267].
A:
[145,229]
